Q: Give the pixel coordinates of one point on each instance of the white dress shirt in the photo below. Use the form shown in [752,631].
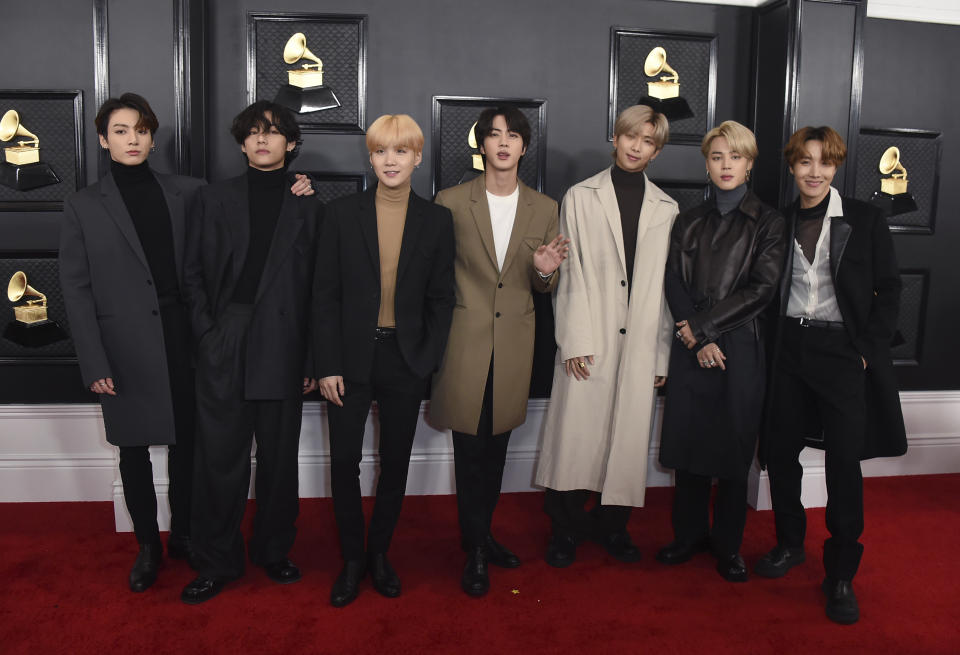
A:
[811,287]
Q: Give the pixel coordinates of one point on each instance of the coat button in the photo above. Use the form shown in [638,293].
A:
[623,283]
[497,314]
[149,283]
[500,286]
[623,330]
[155,312]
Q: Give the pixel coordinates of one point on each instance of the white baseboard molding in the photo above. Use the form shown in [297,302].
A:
[58,453]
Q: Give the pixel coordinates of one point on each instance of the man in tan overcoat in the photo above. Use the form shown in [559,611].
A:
[613,332]
[507,247]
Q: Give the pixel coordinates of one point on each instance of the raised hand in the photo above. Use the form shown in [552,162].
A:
[548,256]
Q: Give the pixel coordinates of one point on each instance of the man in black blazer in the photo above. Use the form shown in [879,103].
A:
[249,281]
[832,384]
[384,300]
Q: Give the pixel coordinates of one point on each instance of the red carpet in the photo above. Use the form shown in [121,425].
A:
[63,576]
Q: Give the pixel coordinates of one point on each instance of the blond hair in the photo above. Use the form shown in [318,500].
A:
[739,137]
[632,119]
[394,130]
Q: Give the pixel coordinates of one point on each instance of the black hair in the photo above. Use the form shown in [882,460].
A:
[516,122]
[132,101]
[255,116]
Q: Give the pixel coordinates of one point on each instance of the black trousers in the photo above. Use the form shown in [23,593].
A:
[227,424]
[569,516]
[691,512]
[136,471]
[398,392]
[478,463]
[819,376]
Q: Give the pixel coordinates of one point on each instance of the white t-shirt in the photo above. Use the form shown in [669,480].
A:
[503,211]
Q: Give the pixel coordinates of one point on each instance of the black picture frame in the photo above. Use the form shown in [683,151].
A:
[450,124]
[692,54]
[688,194]
[43,274]
[340,40]
[330,186]
[56,117]
[920,151]
[907,346]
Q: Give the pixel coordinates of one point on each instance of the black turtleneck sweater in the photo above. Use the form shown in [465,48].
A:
[148,209]
[265,191]
[629,188]
[809,225]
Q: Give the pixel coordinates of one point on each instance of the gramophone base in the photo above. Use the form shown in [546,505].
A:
[902,203]
[673,108]
[303,101]
[27,176]
[34,335]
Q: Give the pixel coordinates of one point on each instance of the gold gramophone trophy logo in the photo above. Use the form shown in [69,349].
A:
[304,91]
[30,327]
[21,168]
[476,159]
[663,94]
[892,197]
[31,312]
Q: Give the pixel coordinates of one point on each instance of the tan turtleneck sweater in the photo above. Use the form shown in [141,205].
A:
[391,216]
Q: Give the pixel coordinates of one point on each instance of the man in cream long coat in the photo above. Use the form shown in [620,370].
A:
[597,430]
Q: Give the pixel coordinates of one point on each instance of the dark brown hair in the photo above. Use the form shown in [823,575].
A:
[255,116]
[132,101]
[516,122]
[834,149]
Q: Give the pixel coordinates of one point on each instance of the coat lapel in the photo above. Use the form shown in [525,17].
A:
[411,231]
[113,201]
[520,224]
[368,226]
[481,216]
[289,224]
[839,235]
[611,211]
[178,219]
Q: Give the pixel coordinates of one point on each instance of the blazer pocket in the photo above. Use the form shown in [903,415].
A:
[533,242]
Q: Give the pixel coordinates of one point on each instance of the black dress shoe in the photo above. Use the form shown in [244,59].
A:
[347,584]
[561,551]
[619,546]
[678,552]
[733,568]
[498,555]
[778,561]
[144,571]
[202,589]
[475,580]
[841,602]
[385,579]
[282,571]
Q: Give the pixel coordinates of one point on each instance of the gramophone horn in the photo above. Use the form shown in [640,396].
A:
[10,127]
[296,49]
[656,62]
[472,136]
[18,288]
[890,161]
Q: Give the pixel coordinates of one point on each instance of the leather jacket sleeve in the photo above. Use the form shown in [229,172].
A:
[745,303]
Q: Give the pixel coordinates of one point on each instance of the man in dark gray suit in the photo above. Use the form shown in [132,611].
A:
[248,281]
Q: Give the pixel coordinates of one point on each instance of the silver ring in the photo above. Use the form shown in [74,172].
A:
[677,334]
[711,363]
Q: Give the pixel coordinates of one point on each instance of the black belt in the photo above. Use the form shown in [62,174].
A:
[803,321]
[385,333]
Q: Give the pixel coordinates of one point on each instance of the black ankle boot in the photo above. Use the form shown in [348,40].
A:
[144,571]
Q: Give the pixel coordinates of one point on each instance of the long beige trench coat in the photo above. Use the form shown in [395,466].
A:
[494,311]
[597,432]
